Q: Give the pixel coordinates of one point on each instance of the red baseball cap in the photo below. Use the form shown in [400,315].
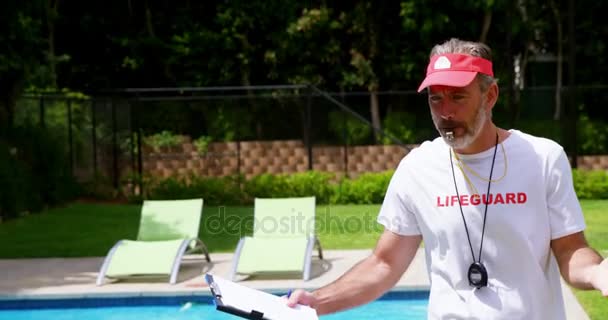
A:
[454,70]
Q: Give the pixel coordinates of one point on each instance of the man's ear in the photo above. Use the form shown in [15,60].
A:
[491,95]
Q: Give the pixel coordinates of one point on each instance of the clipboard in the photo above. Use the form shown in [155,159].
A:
[253,304]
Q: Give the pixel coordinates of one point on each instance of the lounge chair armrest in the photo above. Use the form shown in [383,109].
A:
[199,245]
[106,263]
[319,248]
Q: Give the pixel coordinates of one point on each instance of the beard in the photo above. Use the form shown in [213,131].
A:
[471,129]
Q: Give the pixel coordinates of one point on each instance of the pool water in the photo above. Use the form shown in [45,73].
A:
[394,305]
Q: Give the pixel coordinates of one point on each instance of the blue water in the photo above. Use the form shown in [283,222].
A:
[394,305]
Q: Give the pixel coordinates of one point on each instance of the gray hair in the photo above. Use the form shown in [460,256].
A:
[476,49]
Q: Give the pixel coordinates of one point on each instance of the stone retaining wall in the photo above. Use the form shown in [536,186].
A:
[252,158]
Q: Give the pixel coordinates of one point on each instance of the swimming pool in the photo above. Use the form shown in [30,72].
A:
[393,305]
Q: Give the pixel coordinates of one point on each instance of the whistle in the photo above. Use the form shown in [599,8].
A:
[449,135]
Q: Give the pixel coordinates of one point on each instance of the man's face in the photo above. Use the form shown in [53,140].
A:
[459,110]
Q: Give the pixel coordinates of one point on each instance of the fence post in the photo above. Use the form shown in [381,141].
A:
[41,114]
[238,157]
[345,133]
[114,144]
[573,118]
[131,148]
[94,135]
[139,151]
[309,127]
[70,138]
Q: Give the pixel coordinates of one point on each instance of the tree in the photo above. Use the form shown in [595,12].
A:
[21,25]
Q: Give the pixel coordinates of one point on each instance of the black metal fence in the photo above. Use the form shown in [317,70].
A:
[105,135]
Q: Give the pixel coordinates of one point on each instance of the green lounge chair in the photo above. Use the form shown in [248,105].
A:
[168,229]
[283,238]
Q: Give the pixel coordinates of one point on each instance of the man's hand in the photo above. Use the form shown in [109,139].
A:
[599,278]
[580,265]
[301,297]
[365,281]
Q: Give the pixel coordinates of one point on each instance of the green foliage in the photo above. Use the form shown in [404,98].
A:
[303,184]
[47,159]
[202,144]
[368,188]
[592,136]
[311,183]
[356,131]
[99,187]
[17,184]
[363,74]
[401,125]
[546,128]
[590,184]
[228,124]
[311,50]
[163,139]
[215,191]
[267,186]
[34,171]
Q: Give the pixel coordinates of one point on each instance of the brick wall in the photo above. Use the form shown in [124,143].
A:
[286,156]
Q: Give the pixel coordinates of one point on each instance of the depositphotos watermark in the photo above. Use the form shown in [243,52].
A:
[229,223]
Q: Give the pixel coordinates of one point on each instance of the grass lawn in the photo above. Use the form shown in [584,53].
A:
[83,229]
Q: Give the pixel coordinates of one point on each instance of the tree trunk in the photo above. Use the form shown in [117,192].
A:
[375,112]
[558,81]
[149,24]
[51,17]
[523,64]
[511,105]
[487,21]
[374,84]
[246,81]
[251,98]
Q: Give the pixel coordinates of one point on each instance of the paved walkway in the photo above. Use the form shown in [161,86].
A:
[75,277]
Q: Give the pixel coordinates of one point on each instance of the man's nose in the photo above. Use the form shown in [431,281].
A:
[447,111]
[447,116]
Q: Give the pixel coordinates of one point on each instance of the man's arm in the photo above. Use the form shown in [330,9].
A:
[580,265]
[367,280]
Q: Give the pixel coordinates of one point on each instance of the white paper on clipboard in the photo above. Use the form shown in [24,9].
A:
[233,295]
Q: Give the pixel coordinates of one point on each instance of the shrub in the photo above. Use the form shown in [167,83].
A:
[401,125]
[590,184]
[311,183]
[214,191]
[267,186]
[17,185]
[356,131]
[303,184]
[202,144]
[163,139]
[369,188]
[592,135]
[33,171]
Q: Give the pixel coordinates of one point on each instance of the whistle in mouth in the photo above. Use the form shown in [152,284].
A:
[450,135]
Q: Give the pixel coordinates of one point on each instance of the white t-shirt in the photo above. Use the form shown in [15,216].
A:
[534,203]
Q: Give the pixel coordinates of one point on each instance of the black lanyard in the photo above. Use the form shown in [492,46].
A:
[478,276]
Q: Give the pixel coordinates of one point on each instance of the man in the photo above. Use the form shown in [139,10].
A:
[496,209]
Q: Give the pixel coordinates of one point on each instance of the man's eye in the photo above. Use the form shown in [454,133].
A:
[457,97]
[435,98]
